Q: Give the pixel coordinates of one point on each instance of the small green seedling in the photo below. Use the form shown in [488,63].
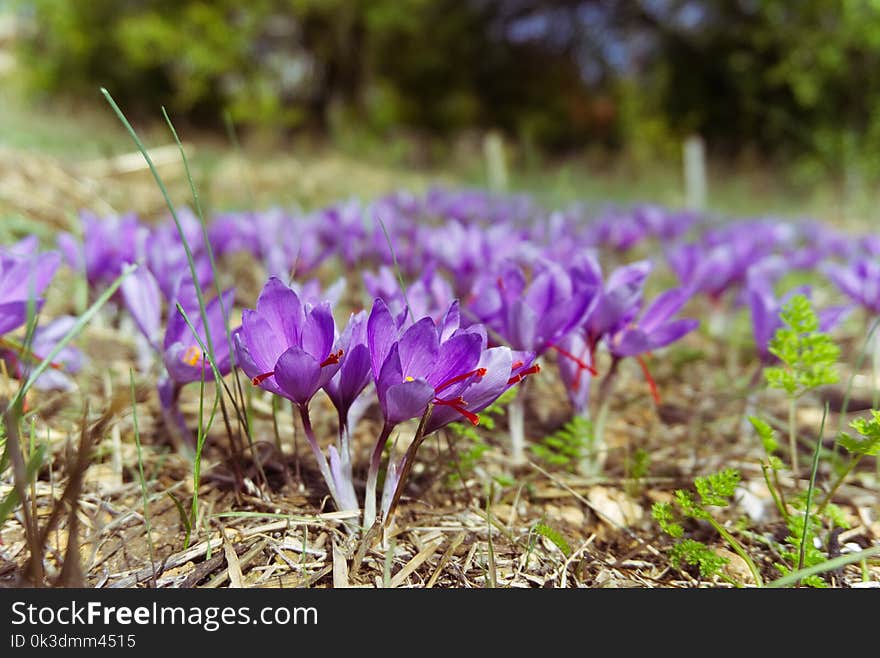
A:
[467,456]
[568,446]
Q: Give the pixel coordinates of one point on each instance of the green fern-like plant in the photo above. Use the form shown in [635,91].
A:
[696,554]
[802,531]
[808,355]
[867,443]
[567,446]
[808,359]
[715,490]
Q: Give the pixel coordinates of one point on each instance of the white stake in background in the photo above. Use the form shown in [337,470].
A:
[496,161]
[695,187]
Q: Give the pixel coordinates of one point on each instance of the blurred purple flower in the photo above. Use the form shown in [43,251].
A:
[23,278]
[533,315]
[67,362]
[859,280]
[655,328]
[618,300]
[182,353]
[108,243]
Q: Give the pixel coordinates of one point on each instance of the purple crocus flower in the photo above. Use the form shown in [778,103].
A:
[182,353]
[617,301]
[108,243]
[67,362]
[656,328]
[285,347]
[534,316]
[354,373]
[23,278]
[860,280]
[410,371]
[143,298]
[429,364]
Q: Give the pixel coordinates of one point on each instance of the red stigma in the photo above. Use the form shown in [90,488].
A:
[479,372]
[332,359]
[651,383]
[518,377]
[583,365]
[259,379]
[458,404]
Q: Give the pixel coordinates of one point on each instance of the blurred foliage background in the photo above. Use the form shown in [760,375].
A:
[791,87]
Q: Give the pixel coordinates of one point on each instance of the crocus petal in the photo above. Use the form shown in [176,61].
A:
[630,343]
[318,332]
[264,346]
[142,297]
[451,321]
[249,365]
[381,335]
[457,356]
[407,400]
[14,314]
[672,331]
[282,310]
[765,318]
[30,275]
[215,310]
[832,316]
[575,378]
[663,307]
[354,374]
[629,276]
[522,325]
[72,250]
[298,374]
[418,349]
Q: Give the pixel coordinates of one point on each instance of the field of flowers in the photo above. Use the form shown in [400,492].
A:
[449,389]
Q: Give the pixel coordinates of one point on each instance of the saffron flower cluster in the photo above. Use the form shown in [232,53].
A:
[438,371]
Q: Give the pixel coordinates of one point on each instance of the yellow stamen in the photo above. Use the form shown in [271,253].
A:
[192,356]
[409,379]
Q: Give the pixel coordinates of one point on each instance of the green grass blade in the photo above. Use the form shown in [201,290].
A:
[140,458]
[213,263]
[396,268]
[829,565]
[204,428]
[184,519]
[34,463]
[189,257]
[812,486]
